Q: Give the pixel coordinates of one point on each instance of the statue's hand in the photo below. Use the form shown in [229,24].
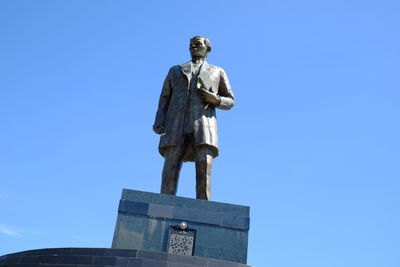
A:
[209,97]
[158,129]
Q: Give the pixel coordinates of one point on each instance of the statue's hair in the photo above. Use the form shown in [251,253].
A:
[206,42]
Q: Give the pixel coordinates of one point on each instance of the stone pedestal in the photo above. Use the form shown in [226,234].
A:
[144,220]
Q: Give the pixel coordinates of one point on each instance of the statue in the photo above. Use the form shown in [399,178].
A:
[186,119]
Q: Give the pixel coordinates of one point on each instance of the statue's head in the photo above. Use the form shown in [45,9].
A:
[199,47]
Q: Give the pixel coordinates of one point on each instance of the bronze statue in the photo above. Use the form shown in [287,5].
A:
[186,119]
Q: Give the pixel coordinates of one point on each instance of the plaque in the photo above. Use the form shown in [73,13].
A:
[181,240]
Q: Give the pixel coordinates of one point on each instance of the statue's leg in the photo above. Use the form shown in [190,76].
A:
[203,157]
[172,166]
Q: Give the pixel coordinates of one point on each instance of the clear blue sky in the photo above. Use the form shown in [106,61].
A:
[312,144]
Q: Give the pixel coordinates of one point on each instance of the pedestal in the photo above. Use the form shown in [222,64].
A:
[144,220]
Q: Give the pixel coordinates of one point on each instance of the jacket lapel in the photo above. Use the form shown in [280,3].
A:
[187,69]
[205,76]
[204,73]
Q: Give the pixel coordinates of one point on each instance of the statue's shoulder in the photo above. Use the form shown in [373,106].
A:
[215,68]
[175,67]
[174,70]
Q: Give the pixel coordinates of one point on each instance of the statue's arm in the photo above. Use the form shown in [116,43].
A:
[225,92]
[163,103]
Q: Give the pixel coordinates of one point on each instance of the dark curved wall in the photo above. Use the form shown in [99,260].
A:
[102,257]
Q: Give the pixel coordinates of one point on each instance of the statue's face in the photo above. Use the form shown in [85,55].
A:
[198,48]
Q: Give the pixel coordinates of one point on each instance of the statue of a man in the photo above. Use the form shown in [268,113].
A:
[186,119]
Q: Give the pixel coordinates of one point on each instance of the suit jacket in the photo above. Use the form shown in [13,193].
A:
[172,103]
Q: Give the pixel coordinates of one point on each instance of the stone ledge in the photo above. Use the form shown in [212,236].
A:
[185,214]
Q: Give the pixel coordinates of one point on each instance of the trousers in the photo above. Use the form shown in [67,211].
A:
[173,160]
